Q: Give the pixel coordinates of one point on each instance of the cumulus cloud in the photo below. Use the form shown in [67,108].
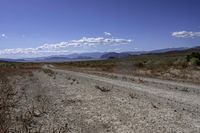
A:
[3,36]
[186,34]
[68,46]
[107,34]
[85,42]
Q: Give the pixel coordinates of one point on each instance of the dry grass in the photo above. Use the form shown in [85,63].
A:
[9,98]
[7,104]
[25,120]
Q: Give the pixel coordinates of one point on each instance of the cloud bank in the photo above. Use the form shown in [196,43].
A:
[68,46]
[186,34]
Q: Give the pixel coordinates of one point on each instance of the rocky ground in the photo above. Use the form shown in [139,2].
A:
[54,100]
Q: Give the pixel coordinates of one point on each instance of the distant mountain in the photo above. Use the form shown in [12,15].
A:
[1,61]
[114,55]
[136,52]
[99,55]
[126,54]
[84,57]
[11,60]
[167,50]
[91,55]
[71,57]
[54,59]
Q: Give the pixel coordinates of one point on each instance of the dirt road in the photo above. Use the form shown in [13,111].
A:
[178,99]
[86,103]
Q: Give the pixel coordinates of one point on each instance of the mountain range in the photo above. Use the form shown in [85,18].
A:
[95,55]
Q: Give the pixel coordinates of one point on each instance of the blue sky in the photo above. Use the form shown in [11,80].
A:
[30,28]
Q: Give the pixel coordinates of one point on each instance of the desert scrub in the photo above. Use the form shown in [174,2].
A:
[8,65]
[193,58]
[133,95]
[103,89]
[49,72]
[194,61]
[8,102]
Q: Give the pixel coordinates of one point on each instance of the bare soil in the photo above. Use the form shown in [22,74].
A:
[66,101]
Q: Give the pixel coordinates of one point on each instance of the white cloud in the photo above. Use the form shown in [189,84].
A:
[71,45]
[3,36]
[107,34]
[186,34]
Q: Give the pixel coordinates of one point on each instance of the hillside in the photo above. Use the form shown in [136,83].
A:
[169,65]
[114,55]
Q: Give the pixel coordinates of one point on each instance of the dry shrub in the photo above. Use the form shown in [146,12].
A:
[49,72]
[103,89]
[133,95]
[7,104]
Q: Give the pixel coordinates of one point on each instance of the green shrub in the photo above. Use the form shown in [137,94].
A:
[195,61]
[193,55]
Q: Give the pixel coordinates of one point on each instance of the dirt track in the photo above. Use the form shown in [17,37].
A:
[180,99]
[80,102]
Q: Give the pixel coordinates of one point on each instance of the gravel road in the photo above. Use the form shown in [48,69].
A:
[178,99]
[77,102]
